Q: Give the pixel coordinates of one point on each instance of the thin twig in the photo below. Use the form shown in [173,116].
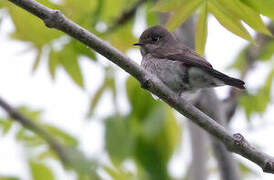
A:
[31,125]
[235,143]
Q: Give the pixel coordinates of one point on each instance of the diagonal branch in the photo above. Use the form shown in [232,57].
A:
[235,143]
[65,153]
[29,124]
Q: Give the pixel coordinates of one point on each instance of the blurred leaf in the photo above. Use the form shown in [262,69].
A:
[119,174]
[34,115]
[95,99]
[267,52]
[53,63]
[151,17]
[240,61]
[179,16]
[149,157]
[167,5]
[122,38]
[6,125]
[8,178]
[25,23]
[201,30]
[29,138]
[64,137]
[241,11]
[83,165]
[258,102]
[40,171]
[68,58]
[228,20]
[119,139]
[137,97]
[262,6]
[245,170]
[37,59]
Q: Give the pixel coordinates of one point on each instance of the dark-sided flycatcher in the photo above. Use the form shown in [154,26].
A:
[179,67]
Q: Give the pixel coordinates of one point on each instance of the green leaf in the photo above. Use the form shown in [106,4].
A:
[137,97]
[25,23]
[151,17]
[40,171]
[37,60]
[119,173]
[201,30]
[95,99]
[64,137]
[118,132]
[227,20]
[150,158]
[179,16]
[6,125]
[53,63]
[241,11]
[257,103]
[240,61]
[167,5]
[267,52]
[68,58]
[262,6]
[8,178]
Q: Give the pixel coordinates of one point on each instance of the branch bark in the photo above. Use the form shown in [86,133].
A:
[235,143]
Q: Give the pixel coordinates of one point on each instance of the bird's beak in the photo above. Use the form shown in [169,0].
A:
[138,44]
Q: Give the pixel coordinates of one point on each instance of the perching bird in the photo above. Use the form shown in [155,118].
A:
[179,67]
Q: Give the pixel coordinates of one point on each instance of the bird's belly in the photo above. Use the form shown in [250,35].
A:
[172,73]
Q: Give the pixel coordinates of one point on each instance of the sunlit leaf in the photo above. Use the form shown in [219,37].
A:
[167,5]
[6,125]
[64,137]
[25,23]
[241,11]
[201,30]
[8,178]
[37,60]
[262,6]
[68,58]
[151,17]
[227,20]
[179,16]
[40,171]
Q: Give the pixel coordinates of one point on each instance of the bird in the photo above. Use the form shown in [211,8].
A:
[176,65]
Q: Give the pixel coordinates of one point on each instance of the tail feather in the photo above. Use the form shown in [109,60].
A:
[229,80]
[234,82]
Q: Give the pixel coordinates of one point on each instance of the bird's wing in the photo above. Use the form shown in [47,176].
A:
[186,56]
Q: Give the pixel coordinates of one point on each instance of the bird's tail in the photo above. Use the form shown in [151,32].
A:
[235,82]
[229,80]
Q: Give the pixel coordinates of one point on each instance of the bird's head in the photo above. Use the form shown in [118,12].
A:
[153,38]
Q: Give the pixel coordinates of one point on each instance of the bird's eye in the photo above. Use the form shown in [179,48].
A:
[155,38]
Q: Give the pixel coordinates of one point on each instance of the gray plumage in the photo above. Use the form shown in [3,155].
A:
[179,67]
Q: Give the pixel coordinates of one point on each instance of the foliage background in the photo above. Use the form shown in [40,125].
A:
[106,122]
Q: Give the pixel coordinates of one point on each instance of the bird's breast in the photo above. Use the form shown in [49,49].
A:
[172,73]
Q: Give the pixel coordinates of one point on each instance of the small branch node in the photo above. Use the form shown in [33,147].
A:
[269,166]
[54,19]
[147,83]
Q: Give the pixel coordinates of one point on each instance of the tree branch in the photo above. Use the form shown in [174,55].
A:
[29,124]
[66,154]
[235,143]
